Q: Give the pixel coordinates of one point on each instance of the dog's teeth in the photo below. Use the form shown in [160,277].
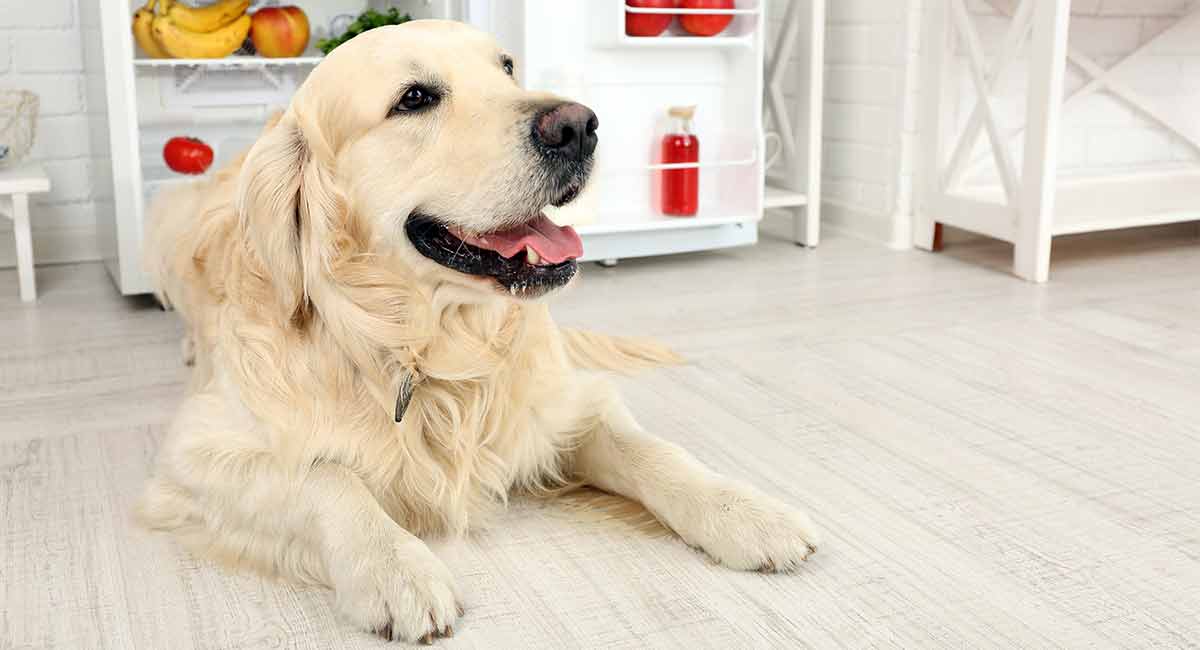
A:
[531,255]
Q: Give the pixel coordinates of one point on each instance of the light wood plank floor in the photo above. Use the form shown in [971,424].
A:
[995,464]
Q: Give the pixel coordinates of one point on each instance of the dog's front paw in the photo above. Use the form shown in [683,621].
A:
[744,529]
[400,591]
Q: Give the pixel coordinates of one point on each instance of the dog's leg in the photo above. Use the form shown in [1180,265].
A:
[238,493]
[734,523]
[386,580]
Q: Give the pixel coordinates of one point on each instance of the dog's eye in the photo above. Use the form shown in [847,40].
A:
[507,64]
[414,99]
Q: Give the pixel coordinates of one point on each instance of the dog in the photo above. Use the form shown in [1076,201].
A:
[373,359]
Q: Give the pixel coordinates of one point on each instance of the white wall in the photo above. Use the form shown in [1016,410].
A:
[868,125]
[868,116]
[40,50]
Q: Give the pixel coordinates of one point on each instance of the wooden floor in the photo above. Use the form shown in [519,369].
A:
[995,464]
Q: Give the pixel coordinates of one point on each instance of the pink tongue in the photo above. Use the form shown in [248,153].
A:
[552,243]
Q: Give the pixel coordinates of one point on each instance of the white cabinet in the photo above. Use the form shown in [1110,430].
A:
[578,49]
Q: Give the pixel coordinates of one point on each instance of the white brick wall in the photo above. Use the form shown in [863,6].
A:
[40,51]
[866,90]
[38,14]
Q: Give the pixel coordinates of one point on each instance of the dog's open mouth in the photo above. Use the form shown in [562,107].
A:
[528,260]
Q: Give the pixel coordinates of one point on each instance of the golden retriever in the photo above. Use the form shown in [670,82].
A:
[372,364]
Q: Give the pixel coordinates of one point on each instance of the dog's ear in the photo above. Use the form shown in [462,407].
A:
[284,199]
[269,210]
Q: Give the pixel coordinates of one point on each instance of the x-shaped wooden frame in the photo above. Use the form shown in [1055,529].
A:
[1101,79]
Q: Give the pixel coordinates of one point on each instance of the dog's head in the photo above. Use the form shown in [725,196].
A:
[417,144]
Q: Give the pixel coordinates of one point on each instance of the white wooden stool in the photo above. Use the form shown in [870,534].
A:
[18,183]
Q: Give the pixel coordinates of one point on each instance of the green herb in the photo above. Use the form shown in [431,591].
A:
[367,20]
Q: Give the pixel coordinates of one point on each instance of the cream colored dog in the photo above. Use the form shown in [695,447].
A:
[370,367]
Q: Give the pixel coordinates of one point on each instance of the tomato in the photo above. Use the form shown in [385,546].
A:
[705,24]
[187,155]
[648,24]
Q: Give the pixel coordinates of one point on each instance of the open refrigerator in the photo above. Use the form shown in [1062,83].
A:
[576,48]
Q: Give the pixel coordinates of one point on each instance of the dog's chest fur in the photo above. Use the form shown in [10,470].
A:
[467,444]
[496,409]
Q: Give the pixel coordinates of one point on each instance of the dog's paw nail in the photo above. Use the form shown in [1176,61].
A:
[461,611]
[385,631]
[448,632]
[427,639]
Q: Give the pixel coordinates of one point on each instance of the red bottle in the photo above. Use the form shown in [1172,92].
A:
[681,187]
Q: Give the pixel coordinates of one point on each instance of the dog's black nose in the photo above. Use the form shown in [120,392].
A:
[568,129]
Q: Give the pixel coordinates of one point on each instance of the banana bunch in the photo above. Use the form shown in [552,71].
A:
[166,29]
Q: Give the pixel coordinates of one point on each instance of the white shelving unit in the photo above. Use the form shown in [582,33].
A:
[578,49]
[794,183]
[229,62]
[1030,206]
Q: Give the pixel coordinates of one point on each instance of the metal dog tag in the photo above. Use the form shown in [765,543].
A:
[404,396]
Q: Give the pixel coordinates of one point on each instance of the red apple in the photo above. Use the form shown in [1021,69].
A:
[705,24]
[279,32]
[648,24]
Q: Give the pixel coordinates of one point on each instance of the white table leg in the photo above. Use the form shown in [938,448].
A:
[811,223]
[806,222]
[936,51]
[1047,68]
[20,203]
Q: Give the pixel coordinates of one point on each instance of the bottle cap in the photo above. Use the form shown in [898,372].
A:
[682,112]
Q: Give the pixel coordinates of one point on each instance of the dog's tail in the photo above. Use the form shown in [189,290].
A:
[593,351]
